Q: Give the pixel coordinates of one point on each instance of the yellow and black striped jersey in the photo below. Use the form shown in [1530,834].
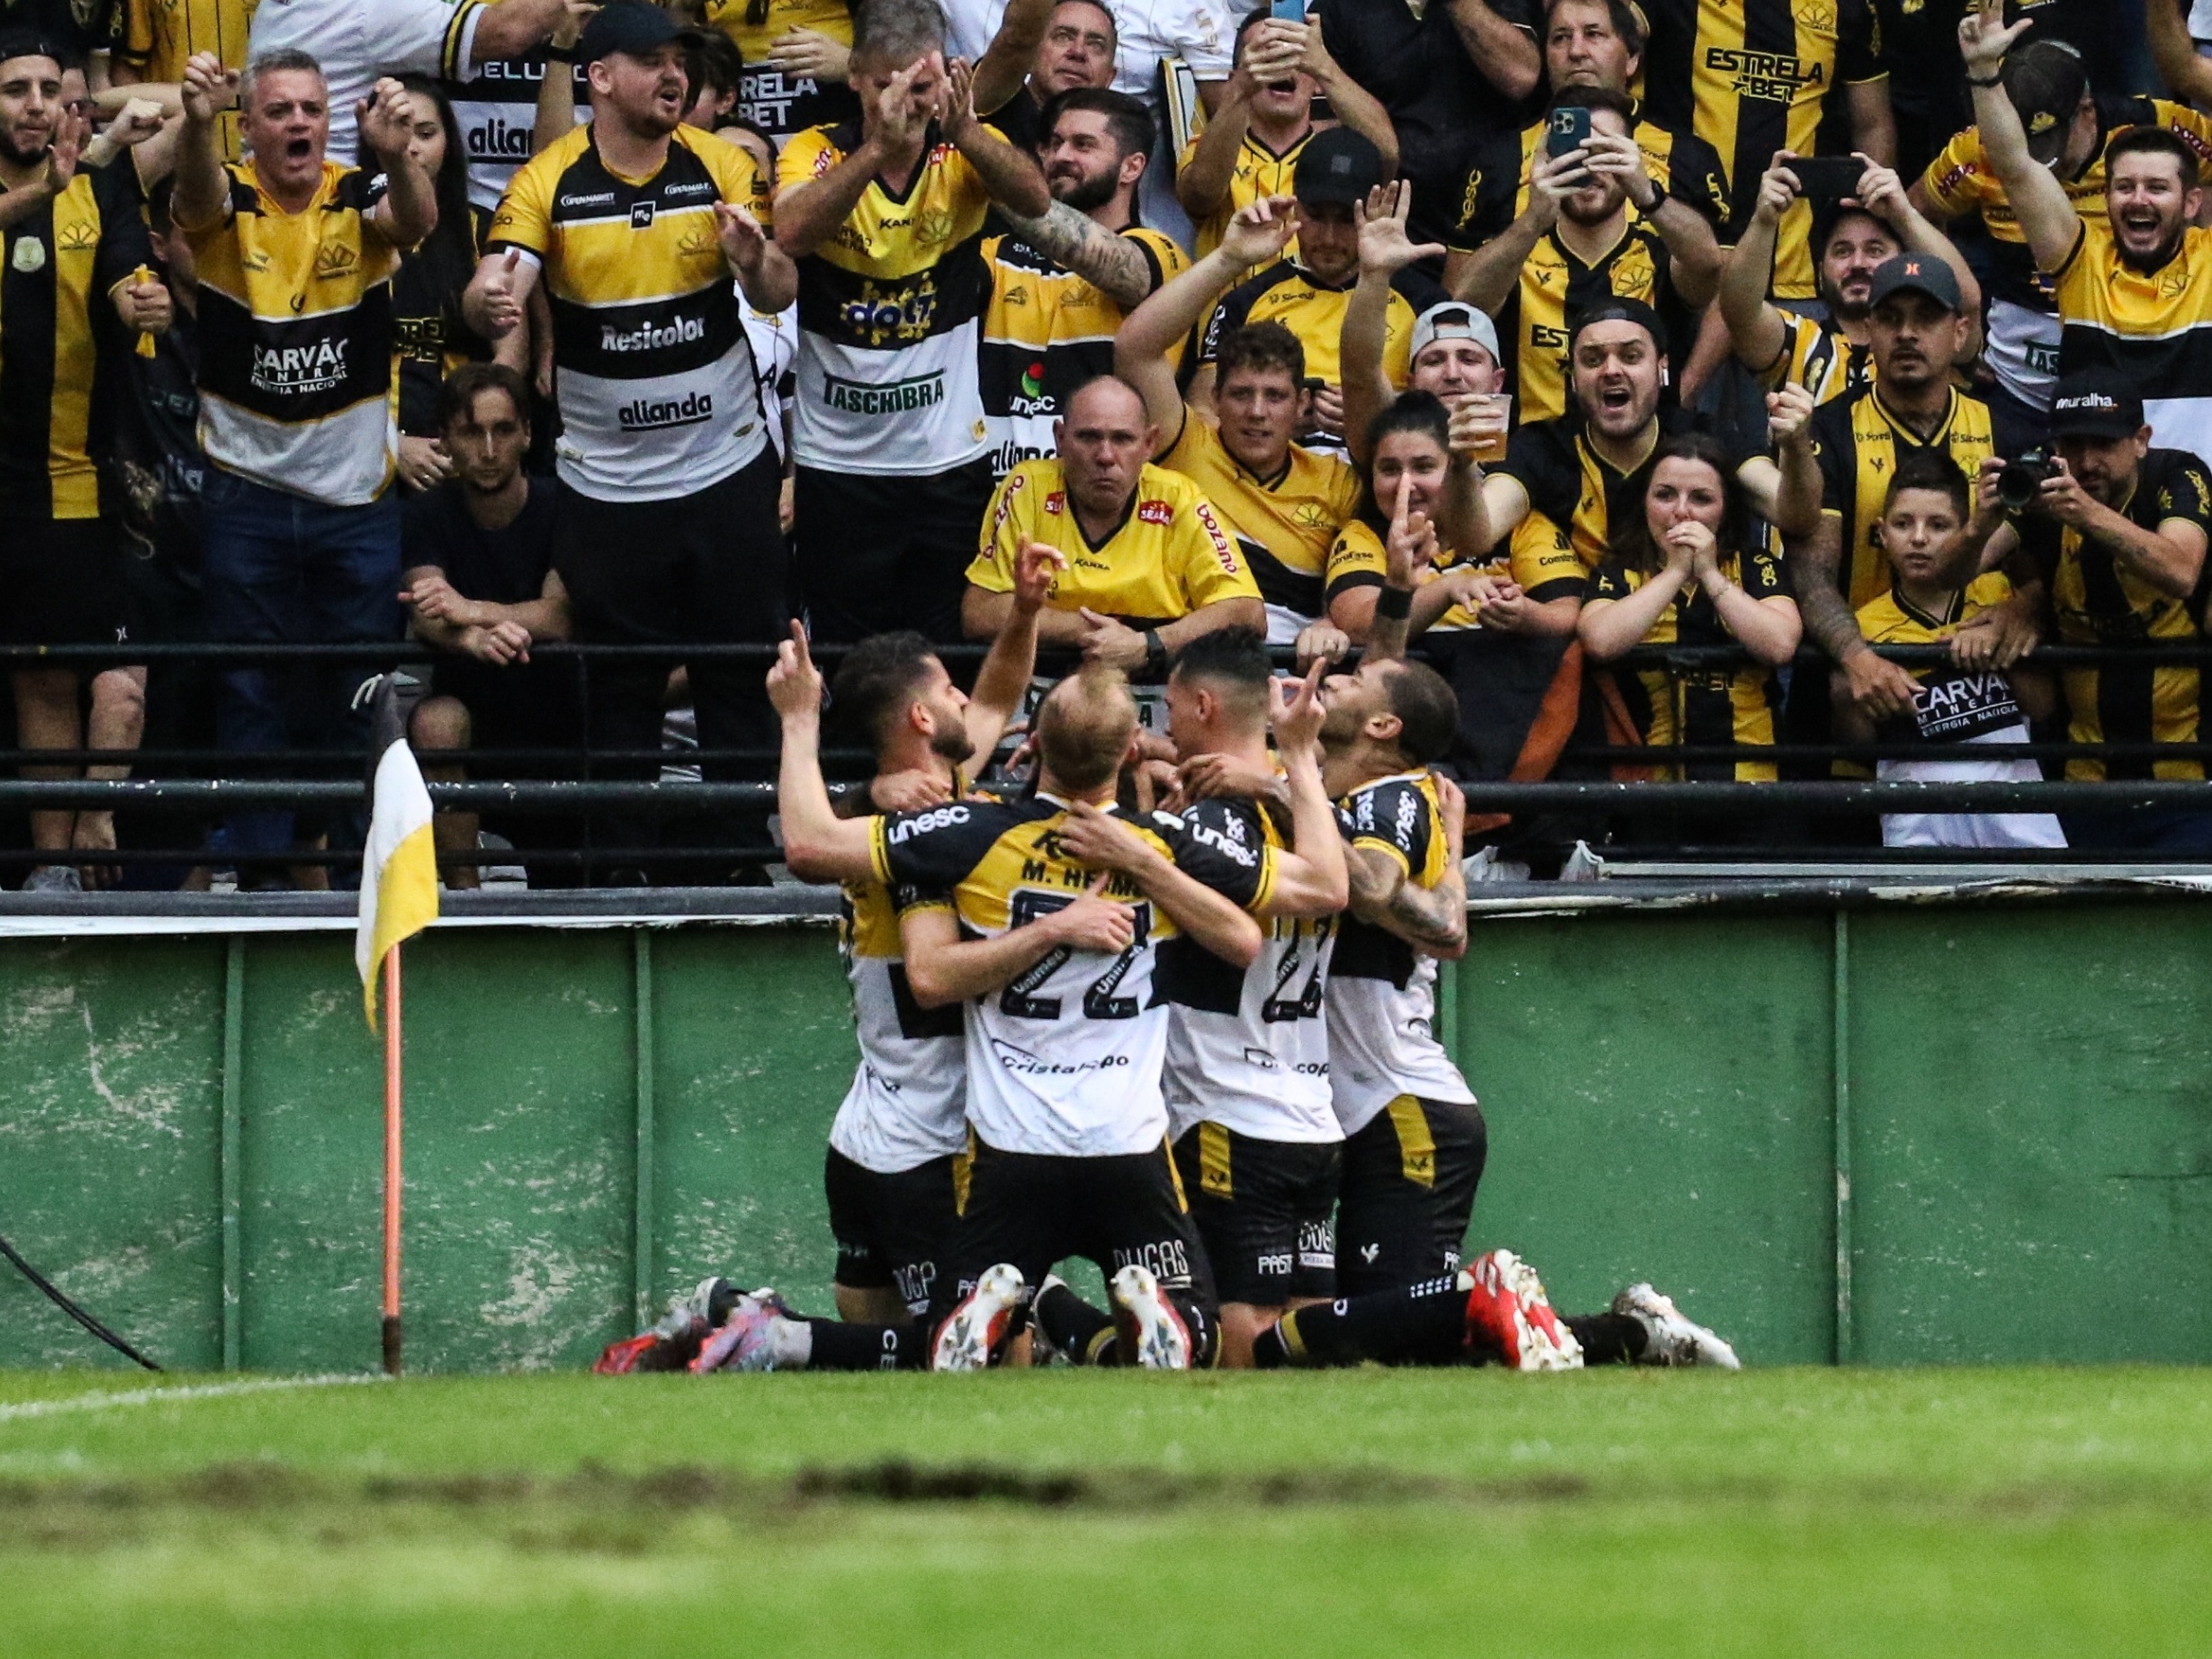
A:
[2099,602]
[1288,294]
[1540,560]
[1046,333]
[1820,357]
[159,35]
[2152,327]
[1283,525]
[1169,556]
[1575,487]
[1701,705]
[656,383]
[65,367]
[1260,173]
[295,338]
[1858,443]
[1953,704]
[890,316]
[1065,1062]
[1753,77]
[781,104]
[1382,992]
[1555,285]
[1496,190]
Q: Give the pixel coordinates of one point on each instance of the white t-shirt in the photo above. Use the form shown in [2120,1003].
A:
[358,40]
[774,337]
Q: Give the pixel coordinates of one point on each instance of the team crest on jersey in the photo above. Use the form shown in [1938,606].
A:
[932,227]
[335,260]
[1155,512]
[1815,14]
[77,236]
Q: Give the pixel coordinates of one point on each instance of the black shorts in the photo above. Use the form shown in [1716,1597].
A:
[64,582]
[891,1230]
[1036,1211]
[1262,1208]
[1409,1187]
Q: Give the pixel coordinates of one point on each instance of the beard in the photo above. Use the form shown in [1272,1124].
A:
[1085,195]
[20,157]
[952,742]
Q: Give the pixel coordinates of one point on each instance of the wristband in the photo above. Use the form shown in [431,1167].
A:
[1994,80]
[559,54]
[1393,604]
[1155,655]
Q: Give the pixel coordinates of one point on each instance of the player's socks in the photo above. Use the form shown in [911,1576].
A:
[1086,1334]
[835,1345]
[1608,1339]
[1424,1324]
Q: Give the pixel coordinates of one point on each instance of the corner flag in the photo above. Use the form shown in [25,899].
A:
[399,867]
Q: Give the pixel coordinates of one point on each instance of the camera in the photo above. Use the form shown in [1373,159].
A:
[2022,479]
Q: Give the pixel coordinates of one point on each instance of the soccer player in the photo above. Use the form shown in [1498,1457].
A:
[1830,358]
[886,219]
[1576,246]
[78,295]
[668,479]
[1062,284]
[1255,136]
[1282,501]
[2133,294]
[1066,1031]
[1149,566]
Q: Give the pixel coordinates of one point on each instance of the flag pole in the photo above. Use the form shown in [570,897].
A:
[391,1161]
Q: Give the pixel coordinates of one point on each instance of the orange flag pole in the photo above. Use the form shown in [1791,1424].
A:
[391,1161]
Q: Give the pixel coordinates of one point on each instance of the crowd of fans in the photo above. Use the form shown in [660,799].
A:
[1590,325]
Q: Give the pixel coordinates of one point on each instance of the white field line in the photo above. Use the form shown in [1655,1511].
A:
[114,1401]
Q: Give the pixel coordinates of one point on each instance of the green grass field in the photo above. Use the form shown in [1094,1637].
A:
[1782,1512]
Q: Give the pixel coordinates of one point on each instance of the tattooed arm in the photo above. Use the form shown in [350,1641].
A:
[1114,264]
[1432,920]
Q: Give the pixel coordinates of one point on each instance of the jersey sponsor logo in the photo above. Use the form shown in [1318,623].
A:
[1156,512]
[689,189]
[494,139]
[594,198]
[298,370]
[1775,77]
[641,215]
[1169,1262]
[651,414]
[652,336]
[942,817]
[905,313]
[1223,548]
[1057,503]
[1961,702]
[893,398]
[1231,845]
[1024,1064]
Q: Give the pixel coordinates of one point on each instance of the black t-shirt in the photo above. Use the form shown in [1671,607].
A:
[501,567]
[1442,106]
[158,445]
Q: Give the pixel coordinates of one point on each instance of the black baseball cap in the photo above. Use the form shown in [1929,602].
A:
[627,26]
[23,42]
[2046,80]
[1337,165]
[1620,310]
[1916,273]
[2095,403]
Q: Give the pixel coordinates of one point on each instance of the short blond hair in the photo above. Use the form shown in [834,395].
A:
[1084,725]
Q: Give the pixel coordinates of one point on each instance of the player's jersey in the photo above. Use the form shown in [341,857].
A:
[2023,332]
[496,112]
[1497,192]
[890,316]
[1717,705]
[909,1096]
[1539,558]
[1953,704]
[1571,485]
[1382,992]
[656,382]
[1260,173]
[1047,332]
[2098,603]
[1820,358]
[1283,525]
[1858,442]
[2154,329]
[1248,1049]
[1753,77]
[1065,1060]
[1556,286]
[1288,294]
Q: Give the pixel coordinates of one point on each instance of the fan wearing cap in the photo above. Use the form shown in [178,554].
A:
[2067,126]
[2117,531]
[1850,239]
[1254,137]
[2135,293]
[1307,295]
[1283,501]
[1577,244]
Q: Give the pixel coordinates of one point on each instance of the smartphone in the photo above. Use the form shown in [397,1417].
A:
[1829,179]
[1287,10]
[1566,129]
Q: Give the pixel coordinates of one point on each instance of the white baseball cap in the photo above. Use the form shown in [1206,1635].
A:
[1454,320]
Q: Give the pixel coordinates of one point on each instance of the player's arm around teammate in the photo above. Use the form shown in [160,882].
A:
[1101,840]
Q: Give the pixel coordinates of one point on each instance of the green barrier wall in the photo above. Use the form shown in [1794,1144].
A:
[2013,1161]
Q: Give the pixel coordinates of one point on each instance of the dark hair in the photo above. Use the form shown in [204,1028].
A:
[458,391]
[1128,120]
[1260,346]
[1596,98]
[1235,658]
[2160,140]
[1427,710]
[448,256]
[877,681]
[1631,544]
[1113,23]
[1415,411]
[1930,469]
[711,59]
[1626,22]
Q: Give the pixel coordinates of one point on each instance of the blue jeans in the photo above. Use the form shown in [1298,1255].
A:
[282,569]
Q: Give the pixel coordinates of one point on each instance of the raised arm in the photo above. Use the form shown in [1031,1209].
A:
[201,193]
[1311,877]
[818,845]
[1004,676]
[2047,219]
[1874,123]
[2186,75]
[1693,255]
[1756,331]
[513,27]
[1385,250]
[1489,277]
[808,215]
[1115,266]
[556,89]
[1156,327]
[1006,62]
[1795,509]
[1013,179]
[764,272]
[1506,54]
[386,117]
[1352,103]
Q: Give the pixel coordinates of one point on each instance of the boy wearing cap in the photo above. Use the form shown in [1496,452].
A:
[2116,533]
[1309,294]
[1576,244]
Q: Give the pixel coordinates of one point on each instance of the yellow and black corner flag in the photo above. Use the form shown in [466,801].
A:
[399,867]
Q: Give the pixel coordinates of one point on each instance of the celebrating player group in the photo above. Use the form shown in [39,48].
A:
[1164,1002]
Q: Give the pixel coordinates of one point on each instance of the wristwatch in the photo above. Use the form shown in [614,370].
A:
[1660,193]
